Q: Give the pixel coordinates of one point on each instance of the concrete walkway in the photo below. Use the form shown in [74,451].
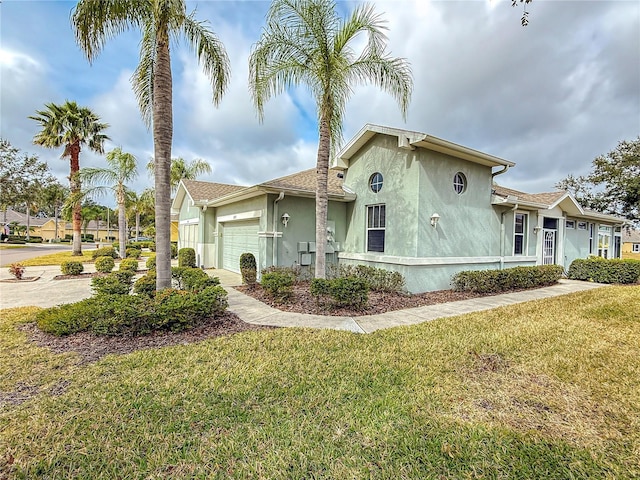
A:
[47,292]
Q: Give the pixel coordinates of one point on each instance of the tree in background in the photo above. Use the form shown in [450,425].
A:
[141,205]
[180,169]
[70,126]
[306,42]
[18,172]
[613,186]
[122,169]
[95,22]
[53,197]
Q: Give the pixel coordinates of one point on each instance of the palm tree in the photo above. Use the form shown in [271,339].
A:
[181,169]
[306,42]
[53,197]
[122,169]
[141,204]
[95,22]
[71,127]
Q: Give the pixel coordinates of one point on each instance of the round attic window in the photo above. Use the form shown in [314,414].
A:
[375,182]
[459,183]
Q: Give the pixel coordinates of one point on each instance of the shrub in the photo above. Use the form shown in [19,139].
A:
[299,273]
[379,279]
[71,267]
[132,252]
[146,285]
[129,264]
[17,270]
[349,291]
[320,288]
[601,270]
[187,257]
[104,252]
[248,269]
[174,250]
[116,283]
[151,263]
[34,239]
[495,281]
[69,318]
[179,310]
[279,285]
[188,278]
[105,264]
[152,247]
[124,315]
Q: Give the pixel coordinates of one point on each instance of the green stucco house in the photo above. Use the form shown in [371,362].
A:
[399,200]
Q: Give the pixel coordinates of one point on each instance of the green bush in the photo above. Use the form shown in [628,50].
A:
[146,285]
[278,285]
[189,278]
[601,270]
[116,283]
[105,264]
[151,263]
[67,319]
[379,279]
[187,257]
[174,250]
[129,264]
[123,315]
[71,267]
[133,252]
[104,252]
[248,269]
[152,247]
[34,239]
[349,292]
[495,281]
[179,310]
[299,273]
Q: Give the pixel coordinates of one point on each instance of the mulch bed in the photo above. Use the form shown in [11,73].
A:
[22,280]
[92,347]
[379,302]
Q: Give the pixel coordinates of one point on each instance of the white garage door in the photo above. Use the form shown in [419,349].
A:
[238,238]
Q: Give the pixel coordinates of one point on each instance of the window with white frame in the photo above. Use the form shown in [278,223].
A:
[375,228]
[570,224]
[582,225]
[520,233]
[459,183]
[604,241]
[636,248]
[592,227]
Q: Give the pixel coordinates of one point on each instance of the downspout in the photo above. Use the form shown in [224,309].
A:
[502,232]
[500,172]
[274,253]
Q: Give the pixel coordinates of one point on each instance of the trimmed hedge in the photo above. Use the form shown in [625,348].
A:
[133,252]
[602,270]
[116,283]
[71,267]
[344,291]
[379,279]
[248,269]
[189,278]
[172,310]
[495,281]
[130,264]
[187,257]
[151,263]
[104,252]
[105,264]
[278,285]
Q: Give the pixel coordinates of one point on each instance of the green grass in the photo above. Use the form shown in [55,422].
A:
[545,389]
[57,258]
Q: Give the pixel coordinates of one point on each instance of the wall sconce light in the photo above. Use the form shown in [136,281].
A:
[536,229]
[285,219]
[434,220]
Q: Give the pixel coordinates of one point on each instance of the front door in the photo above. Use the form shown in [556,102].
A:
[549,247]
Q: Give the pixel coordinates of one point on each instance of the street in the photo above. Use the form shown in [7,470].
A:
[18,253]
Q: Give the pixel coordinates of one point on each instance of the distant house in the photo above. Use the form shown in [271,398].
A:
[400,200]
[630,241]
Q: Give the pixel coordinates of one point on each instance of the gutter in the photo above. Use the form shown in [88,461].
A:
[274,252]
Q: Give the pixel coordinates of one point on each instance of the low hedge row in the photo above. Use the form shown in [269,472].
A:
[495,281]
[170,309]
[602,270]
[379,279]
[343,291]
[104,252]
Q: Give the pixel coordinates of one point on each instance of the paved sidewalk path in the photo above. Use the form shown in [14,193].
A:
[47,292]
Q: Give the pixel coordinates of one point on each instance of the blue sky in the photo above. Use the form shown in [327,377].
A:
[550,97]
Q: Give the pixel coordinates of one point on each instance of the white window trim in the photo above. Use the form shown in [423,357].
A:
[525,234]
[367,228]
[570,224]
[583,225]
[635,248]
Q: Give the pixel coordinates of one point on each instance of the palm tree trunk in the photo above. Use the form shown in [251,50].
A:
[162,139]
[28,221]
[122,227]
[322,174]
[74,182]
[137,224]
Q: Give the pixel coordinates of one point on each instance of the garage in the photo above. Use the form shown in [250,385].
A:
[238,238]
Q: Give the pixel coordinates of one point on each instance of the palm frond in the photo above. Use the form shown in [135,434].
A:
[142,77]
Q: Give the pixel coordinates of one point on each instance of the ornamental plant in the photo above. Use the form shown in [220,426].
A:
[17,270]
[248,269]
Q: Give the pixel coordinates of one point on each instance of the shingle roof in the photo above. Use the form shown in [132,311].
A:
[203,191]
[21,218]
[548,198]
[306,181]
[629,235]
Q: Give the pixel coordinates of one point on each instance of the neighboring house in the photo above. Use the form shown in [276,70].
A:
[101,231]
[399,200]
[10,216]
[630,241]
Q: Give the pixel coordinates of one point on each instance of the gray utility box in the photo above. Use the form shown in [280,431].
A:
[303,247]
[305,259]
[312,247]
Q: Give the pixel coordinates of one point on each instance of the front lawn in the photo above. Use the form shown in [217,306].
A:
[545,389]
[57,258]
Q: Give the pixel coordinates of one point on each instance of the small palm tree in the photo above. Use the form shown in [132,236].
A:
[306,42]
[71,127]
[180,169]
[141,204]
[95,22]
[122,169]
